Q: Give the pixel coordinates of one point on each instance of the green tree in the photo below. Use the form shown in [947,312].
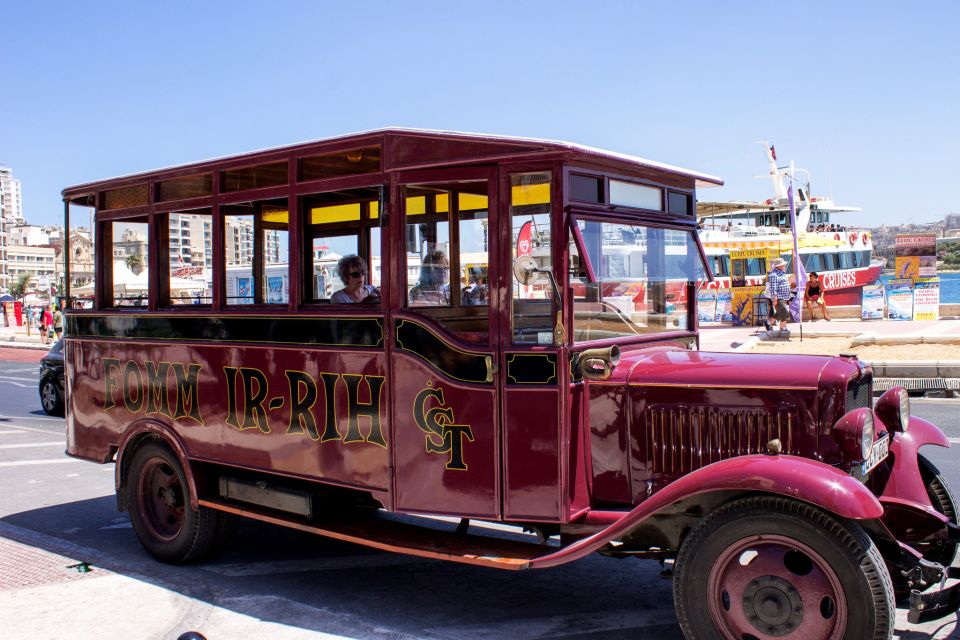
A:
[19,288]
[135,263]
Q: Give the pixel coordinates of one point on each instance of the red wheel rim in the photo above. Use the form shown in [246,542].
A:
[161,499]
[774,587]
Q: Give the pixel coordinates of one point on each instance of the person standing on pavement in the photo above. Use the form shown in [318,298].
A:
[57,321]
[779,288]
[46,326]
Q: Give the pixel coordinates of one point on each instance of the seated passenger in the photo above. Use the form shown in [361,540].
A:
[474,293]
[352,269]
[432,289]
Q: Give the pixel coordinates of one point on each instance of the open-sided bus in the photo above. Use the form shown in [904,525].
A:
[526,354]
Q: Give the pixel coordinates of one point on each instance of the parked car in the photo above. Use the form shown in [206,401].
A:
[51,380]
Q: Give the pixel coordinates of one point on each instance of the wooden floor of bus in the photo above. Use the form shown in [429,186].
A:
[402,537]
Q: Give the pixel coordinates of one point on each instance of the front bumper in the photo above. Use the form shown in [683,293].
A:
[932,605]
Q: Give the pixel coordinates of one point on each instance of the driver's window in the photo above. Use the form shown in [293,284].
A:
[534,307]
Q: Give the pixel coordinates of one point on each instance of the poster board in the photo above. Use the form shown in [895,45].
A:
[926,299]
[742,312]
[871,307]
[706,306]
[900,299]
[916,255]
[724,307]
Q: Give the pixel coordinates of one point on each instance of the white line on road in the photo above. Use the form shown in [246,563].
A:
[58,443]
[17,384]
[22,379]
[24,463]
[954,440]
[3,431]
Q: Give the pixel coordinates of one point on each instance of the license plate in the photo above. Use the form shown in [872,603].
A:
[877,454]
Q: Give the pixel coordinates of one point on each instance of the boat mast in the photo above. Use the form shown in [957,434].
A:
[779,191]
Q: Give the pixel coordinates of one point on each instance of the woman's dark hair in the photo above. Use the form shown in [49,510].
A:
[813,274]
[348,263]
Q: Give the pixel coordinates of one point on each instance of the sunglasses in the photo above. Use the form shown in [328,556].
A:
[356,274]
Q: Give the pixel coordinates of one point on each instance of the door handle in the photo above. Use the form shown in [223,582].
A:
[491,368]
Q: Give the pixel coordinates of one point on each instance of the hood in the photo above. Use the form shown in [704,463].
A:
[680,367]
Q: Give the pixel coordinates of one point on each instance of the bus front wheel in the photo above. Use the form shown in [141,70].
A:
[765,567]
[158,500]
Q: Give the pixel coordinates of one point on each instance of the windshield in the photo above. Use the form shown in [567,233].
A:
[633,280]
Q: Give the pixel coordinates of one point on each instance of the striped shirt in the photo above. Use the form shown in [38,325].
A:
[778,285]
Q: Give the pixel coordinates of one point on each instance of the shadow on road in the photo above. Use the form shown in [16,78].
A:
[305,581]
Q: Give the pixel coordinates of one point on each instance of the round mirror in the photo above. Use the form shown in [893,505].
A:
[525,269]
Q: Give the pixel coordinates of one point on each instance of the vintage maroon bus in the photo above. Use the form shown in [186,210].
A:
[443,324]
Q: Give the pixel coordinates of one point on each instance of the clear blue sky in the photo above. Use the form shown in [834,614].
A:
[865,95]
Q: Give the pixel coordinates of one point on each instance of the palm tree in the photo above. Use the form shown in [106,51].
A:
[135,263]
[19,288]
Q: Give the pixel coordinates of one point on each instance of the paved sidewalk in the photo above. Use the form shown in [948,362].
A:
[17,337]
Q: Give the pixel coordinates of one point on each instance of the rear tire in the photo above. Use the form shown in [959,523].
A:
[158,500]
[766,567]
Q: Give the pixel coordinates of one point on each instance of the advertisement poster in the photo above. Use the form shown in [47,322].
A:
[275,290]
[706,306]
[916,255]
[872,305]
[245,290]
[907,267]
[900,300]
[742,312]
[926,299]
[724,307]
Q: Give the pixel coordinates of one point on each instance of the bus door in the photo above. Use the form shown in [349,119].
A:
[532,369]
[446,442]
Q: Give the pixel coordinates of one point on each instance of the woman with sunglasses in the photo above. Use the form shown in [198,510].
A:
[352,270]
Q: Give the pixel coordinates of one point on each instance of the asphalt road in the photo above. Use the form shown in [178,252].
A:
[288,584]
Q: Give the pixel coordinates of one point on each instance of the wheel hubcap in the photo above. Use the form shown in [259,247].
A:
[774,586]
[161,499]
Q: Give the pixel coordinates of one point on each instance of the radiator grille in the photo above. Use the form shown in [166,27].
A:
[680,439]
[860,393]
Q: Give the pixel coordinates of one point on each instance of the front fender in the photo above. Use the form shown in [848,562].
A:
[799,478]
[905,483]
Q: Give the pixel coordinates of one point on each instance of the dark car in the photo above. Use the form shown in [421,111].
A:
[51,380]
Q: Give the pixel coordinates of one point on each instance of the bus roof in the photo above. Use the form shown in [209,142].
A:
[466,147]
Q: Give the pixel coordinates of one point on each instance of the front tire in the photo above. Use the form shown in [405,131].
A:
[158,499]
[51,399]
[942,551]
[765,567]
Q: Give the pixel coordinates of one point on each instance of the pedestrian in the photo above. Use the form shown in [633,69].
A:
[57,321]
[46,325]
[779,286]
[814,296]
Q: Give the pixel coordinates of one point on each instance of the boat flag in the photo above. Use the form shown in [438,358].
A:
[773,152]
[796,305]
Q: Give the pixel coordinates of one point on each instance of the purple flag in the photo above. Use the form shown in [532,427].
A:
[796,305]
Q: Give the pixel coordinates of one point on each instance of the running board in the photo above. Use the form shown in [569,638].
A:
[410,539]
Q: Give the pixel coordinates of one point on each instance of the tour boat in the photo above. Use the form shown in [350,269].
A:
[840,253]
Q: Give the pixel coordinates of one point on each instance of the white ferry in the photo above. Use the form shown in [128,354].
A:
[840,253]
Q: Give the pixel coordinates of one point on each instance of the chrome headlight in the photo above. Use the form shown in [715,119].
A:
[866,435]
[854,432]
[893,408]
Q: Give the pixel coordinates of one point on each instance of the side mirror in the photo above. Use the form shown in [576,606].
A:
[525,269]
[598,364]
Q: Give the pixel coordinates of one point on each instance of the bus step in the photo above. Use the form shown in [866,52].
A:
[401,537]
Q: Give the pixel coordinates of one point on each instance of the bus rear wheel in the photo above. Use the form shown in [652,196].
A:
[158,500]
[767,567]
